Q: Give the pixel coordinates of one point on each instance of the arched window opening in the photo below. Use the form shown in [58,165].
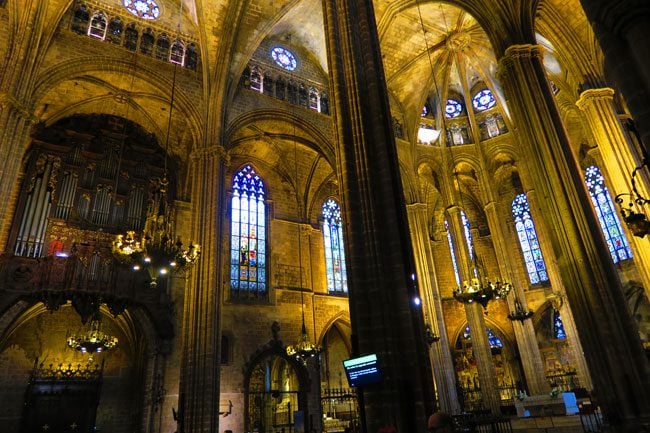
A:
[177,54]
[80,20]
[191,57]
[97,27]
[146,42]
[313,99]
[114,34]
[131,37]
[324,103]
[280,88]
[528,240]
[162,47]
[256,80]
[619,247]
[334,252]
[268,85]
[248,236]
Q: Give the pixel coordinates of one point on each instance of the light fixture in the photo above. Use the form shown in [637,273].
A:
[92,340]
[304,349]
[430,335]
[482,290]
[520,314]
[157,250]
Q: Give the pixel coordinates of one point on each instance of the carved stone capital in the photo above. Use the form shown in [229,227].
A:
[516,52]
[9,100]
[211,152]
[593,95]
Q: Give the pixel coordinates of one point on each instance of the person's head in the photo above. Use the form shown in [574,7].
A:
[440,422]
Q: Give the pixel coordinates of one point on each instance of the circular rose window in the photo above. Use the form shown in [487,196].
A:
[145,9]
[284,58]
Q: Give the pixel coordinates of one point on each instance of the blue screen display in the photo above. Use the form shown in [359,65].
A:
[362,371]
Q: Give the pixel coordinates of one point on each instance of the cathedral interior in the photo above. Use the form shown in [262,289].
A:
[207,206]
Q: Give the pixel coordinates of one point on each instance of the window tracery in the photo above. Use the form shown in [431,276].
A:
[334,252]
[145,9]
[483,100]
[528,241]
[284,58]
[248,236]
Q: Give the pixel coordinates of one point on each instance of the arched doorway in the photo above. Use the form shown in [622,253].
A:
[276,395]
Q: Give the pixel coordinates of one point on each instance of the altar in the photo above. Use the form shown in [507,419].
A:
[540,405]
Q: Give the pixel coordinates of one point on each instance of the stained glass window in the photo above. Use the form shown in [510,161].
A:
[334,253]
[468,234]
[453,254]
[284,58]
[528,240]
[145,9]
[617,242]
[248,236]
[453,108]
[558,326]
[493,339]
[483,100]
[425,111]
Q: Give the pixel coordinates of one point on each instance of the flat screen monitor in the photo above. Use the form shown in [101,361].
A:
[362,371]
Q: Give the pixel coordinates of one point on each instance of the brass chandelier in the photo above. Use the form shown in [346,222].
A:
[157,250]
[93,340]
[633,212]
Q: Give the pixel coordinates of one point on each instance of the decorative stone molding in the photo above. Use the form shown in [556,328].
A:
[9,100]
[208,152]
[516,52]
[591,95]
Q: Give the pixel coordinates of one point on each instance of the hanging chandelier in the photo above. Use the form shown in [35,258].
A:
[520,314]
[480,289]
[156,250]
[304,349]
[93,340]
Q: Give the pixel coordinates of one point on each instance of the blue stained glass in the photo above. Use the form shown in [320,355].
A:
[483,100]
[284,58]
[493,339]
[248,232]
[453,108]
[145,9]
[453,255]
[334,252]
[610,225]
[528,240]
[558,326]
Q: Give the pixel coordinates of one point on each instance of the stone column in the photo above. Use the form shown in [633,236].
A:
[531,357]
[623,31]
[385,319]
[16,121]
[598,108]
[608,335]
[487,374]
[199,383]
[440,353]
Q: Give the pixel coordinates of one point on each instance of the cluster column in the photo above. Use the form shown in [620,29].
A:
[385,318]
[487,374]
[619,159]
[531,358]
[608,335]
[441,359]
[199,383]
[623,31]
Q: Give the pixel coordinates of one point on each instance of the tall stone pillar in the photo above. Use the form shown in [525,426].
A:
[16,121]
[531,357]
[441,359]
[558,296]
[199,383]
[622,28]
[608,335]
[385,319]
[619,160]
[487,374]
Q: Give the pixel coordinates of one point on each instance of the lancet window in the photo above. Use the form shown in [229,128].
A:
[248,236]
[528,240]
[334,252]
